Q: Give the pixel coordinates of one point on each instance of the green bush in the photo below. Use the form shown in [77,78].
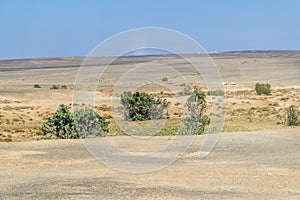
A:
[89,123]
[36,86]
[262,88]
[140,106]
[196,122]
[61,124]
[84,123]
[292,118]
[215,93]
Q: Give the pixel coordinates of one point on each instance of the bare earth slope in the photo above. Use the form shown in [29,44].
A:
[248,165]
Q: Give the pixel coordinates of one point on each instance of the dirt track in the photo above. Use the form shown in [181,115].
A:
[249,165]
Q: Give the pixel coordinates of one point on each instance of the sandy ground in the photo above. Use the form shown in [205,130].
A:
[248,165]
[244,165]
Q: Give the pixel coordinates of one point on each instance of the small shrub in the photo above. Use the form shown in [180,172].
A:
[274,104]
[262,88]
[36,86]
[61,124]
[216,93]
[104,108]
[84,123]
[197,121]
[284,98]
[140,106]
[54,87]
[89,123]
[165,79]
[63,87]
[292,118]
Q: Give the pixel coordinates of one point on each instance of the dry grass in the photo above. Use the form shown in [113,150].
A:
[246,111]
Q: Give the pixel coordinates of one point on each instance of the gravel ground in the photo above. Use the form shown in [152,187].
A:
[248,165]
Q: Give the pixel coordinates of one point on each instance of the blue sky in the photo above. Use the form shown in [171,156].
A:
[49,28]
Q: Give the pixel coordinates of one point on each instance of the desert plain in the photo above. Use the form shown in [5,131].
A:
[256,157]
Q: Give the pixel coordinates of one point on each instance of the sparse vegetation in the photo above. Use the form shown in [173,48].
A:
[141,106]
[54,87]
[276,104]
[57,87]
[196,122]
[187,90]
[245,111]
[292,116]
[165,79]
[262,88]
[216,93]
[36,86]
[61,124]
[89,123]
[63,87]
[84,123]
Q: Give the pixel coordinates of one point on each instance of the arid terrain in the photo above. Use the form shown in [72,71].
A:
[257,156]
[246,165]
[23,107]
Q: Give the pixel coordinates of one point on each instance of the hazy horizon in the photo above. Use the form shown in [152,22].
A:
[155,54]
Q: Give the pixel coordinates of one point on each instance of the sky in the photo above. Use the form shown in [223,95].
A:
[52,28]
